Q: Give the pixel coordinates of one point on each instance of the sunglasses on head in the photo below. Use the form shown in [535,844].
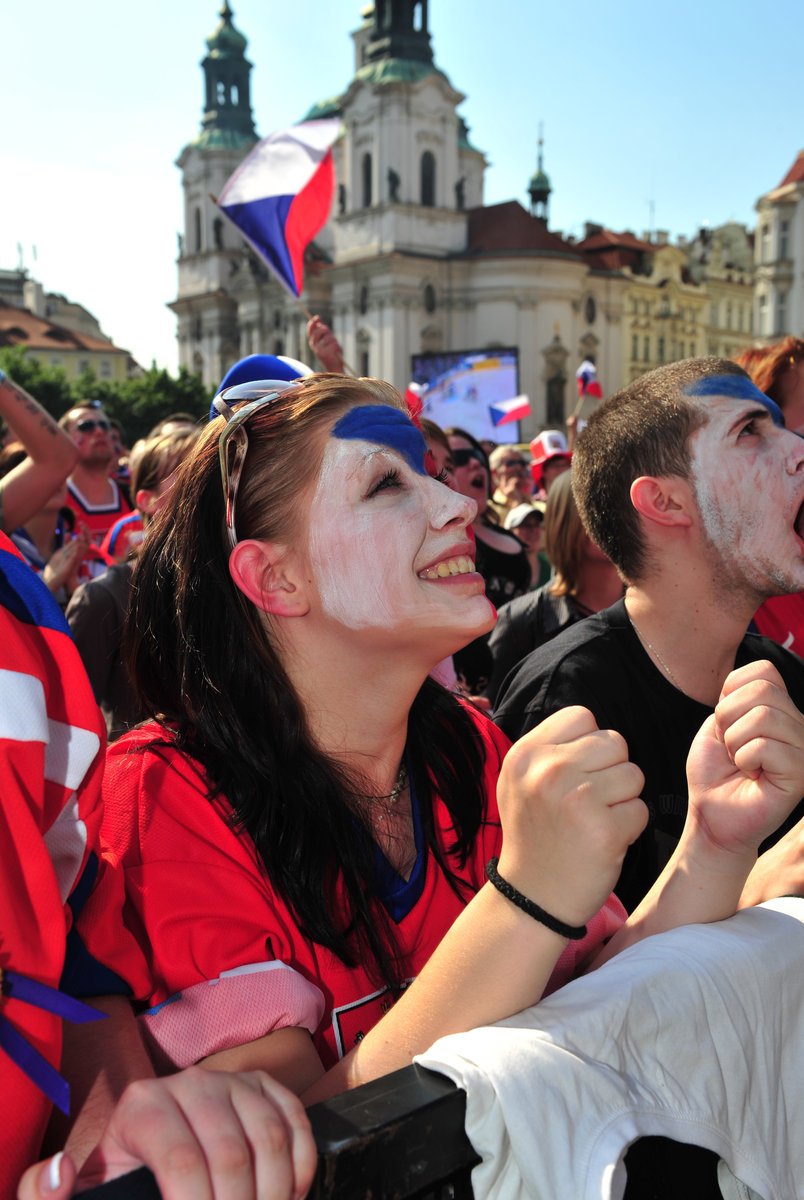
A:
[462,457]
[233,439]
[89,423]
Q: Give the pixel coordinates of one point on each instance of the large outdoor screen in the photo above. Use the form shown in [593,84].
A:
[462,385]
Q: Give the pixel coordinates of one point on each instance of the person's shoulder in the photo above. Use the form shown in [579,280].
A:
[490,735]
[149,753]
[597,636]
[564,670]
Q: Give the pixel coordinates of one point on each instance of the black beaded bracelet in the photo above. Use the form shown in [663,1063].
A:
[573,932]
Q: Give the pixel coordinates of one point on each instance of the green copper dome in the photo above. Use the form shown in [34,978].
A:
[396,70]
[226,41]
[324,108]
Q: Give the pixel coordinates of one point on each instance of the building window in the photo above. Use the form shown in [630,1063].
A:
[646,349]
[234,95]
[765,242]
[784,239]
[763,315]
[728,315]
[660,347]
[197,230]
[363,300]
[740,318]
[221,93]
[429,298]
[634,346]
[83,365]
[105,369]
[279,346]
[781,312]
[428,172]
[364,364]
[366,170]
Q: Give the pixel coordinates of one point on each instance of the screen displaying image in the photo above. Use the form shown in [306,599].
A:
[461,387]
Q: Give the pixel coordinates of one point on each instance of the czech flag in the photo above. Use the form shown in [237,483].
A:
[281,195]
[586,377]
[503,412]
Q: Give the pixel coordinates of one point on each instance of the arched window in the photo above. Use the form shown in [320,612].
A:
[234,95]
[197,230]
[428,171]
[366,168]
[221,92]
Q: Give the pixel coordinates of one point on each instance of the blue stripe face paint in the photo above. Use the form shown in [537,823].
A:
[735,387]
[385,426]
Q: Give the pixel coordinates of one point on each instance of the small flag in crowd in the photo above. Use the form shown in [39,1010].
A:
[414,398]
[503,412]
[281,195]
[586,376]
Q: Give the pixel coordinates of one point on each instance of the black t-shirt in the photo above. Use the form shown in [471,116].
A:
[601,664]
[505,575]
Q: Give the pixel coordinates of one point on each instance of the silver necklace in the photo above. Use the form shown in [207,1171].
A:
[650,646]
[386,803]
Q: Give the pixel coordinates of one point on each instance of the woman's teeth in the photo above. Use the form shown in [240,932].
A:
[462,565]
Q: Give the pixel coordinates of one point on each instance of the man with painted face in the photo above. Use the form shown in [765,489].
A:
[689,481]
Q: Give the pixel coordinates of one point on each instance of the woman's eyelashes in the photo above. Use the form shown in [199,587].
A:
[390,479]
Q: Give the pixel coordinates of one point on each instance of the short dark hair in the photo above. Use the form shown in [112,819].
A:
[644,429]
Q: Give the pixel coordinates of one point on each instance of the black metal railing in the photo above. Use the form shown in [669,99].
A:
[402,1137]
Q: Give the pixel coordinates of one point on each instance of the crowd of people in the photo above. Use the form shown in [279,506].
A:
[404,733]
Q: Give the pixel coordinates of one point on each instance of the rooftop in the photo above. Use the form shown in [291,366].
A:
[19,327]
[508,227]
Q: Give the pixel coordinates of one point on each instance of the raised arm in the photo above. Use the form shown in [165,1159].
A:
[51,455]
[568,802]
[325,346]
[746,774]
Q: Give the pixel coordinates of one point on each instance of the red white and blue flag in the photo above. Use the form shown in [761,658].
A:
[503,412]
[587,380]
[281,195]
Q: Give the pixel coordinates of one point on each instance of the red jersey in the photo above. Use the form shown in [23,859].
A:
[51,763]
[782,619]
[229,962]
[99,519]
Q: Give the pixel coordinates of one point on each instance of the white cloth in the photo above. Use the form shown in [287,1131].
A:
[696,1034]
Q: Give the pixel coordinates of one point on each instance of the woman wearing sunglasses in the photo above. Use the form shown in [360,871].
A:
[305,823]
[501,558]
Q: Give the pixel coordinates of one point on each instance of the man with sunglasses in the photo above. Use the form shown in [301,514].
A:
[92,493]
[512,483]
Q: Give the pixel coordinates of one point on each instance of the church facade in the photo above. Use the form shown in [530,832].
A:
[411,261]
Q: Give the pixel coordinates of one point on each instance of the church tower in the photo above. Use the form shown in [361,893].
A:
[539,188]
[212,256]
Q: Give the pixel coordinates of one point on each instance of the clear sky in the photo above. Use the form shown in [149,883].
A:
[696,107]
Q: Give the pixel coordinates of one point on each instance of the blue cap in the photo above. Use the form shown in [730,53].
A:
[261,366]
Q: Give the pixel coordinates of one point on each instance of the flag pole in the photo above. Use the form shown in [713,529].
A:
[348,370]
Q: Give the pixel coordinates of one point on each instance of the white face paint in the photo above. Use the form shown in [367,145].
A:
[748,477]
[389,550]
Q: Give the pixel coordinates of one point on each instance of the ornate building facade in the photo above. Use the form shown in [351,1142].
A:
[779,258]
[411,260]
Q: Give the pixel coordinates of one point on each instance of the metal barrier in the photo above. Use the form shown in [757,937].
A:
[402,1137]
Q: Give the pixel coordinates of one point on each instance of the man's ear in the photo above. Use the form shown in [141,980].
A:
[664,500]
[264,573]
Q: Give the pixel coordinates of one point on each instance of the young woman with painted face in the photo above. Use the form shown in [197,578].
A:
[305,823]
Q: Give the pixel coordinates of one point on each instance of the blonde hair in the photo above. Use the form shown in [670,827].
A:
[564,536]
